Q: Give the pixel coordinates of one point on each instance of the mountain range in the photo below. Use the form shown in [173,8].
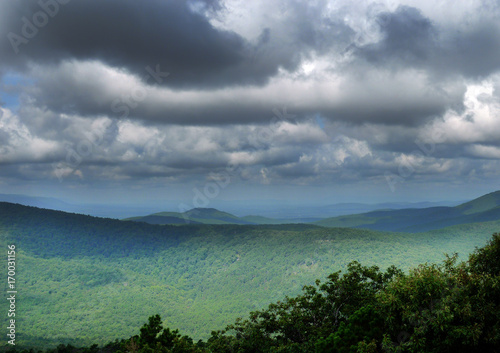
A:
[273,209]
[483,209]
[89,279]
[212,216]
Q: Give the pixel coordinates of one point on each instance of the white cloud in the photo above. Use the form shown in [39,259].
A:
[20,144]
[482,151]
[135,134]
[477,123]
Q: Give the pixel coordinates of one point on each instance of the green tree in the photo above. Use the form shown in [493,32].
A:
[151,330]
[486,260]
[297,323]
[444,308]
[361,332]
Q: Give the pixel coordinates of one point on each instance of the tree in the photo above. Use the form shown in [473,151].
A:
[150,331]
[296,324]
[445,308]
[486,260]
[154,338]
[362,332]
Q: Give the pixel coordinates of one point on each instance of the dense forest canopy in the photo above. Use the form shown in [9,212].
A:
[448,307]
[92,280]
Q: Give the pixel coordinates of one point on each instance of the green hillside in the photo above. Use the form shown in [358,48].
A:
[194,216]
[481,204]
[86,279]
[212,216]
[482,209]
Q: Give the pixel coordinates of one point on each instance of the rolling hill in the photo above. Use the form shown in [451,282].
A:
[194,216]
[481,204]
[87,279]
[483,209]
[211,216]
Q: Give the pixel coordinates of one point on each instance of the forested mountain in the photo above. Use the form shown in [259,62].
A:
[194,216]
[211,216]
[86,279]
[482,209]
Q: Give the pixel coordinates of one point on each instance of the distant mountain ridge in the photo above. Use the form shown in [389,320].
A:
[97,210]
[193,216]
[36,201]
[483,209]
[210,216]
[389,216]
[273,213]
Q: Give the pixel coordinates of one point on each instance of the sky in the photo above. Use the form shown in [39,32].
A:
[184,104]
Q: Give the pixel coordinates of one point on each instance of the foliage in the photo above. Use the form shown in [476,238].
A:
[154,338]
[296,324]
[485,260]
[450,307]
[360,333]
[91,280]
[446,308]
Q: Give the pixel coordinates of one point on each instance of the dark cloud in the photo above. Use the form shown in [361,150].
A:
[409,39]
[389,111]
[175,37]
[476,52]
[181,40]
[374,96]
[133,35]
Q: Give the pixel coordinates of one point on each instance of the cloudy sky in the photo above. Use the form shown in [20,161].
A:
[196,102]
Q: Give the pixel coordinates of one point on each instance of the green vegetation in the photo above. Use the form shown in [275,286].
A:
[448,307]
[481,204]
[90,280]
[483,209]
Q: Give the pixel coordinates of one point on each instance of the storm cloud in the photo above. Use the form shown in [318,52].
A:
[176,35]
[411,39]
[161,94]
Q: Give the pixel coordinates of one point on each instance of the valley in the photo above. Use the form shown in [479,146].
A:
[86,279]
